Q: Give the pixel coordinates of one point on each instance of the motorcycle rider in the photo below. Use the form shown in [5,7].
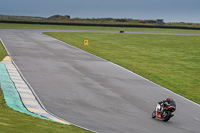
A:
[163,103]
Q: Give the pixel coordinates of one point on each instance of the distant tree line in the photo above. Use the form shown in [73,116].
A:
[112,21]
[130,20]
[68,18]
[58,17]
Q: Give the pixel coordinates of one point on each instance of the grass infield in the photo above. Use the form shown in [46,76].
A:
[168,60]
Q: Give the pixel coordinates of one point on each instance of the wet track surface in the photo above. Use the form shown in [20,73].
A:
[92,92]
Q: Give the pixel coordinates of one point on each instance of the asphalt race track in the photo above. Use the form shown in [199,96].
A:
[91,92]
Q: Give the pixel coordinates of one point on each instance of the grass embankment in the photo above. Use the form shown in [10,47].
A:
[65,27]
[14,122]
[170,61]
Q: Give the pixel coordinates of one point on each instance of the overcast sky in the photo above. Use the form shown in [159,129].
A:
[169,10]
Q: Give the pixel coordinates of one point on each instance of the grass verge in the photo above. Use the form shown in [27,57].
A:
[65,27]
[2,52]
[14,122]
[170,61]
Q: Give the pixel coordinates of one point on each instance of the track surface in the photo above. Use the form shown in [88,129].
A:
[91,92]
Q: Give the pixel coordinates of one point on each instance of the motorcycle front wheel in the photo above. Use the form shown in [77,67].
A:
[154,114]
[166,116]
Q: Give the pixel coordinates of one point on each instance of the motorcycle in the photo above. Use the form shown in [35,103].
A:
[166,113]
[121,31]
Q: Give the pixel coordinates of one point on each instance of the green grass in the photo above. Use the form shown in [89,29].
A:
[14,122]
[170,61]
[65,27]
[2,52]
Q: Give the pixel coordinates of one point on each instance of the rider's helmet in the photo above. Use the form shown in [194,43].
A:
[169,99]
